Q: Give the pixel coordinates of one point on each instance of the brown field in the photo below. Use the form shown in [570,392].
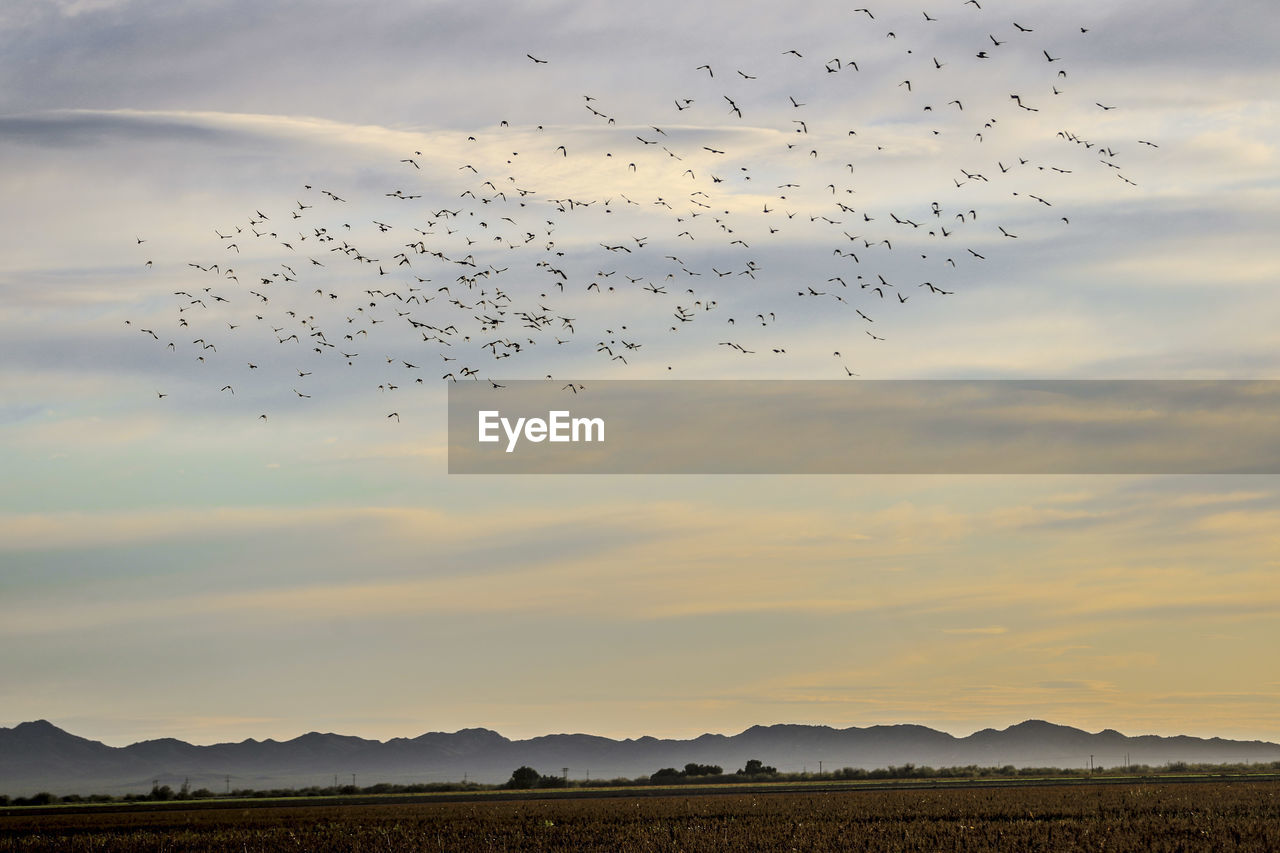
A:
[1223,816]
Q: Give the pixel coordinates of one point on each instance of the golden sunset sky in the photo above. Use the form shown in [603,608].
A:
[178,566]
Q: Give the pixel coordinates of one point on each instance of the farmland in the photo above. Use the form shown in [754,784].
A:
[1217,816]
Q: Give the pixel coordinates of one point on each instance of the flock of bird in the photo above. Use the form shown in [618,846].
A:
[733,222]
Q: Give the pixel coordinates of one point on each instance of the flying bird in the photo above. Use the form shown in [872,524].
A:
[508,278]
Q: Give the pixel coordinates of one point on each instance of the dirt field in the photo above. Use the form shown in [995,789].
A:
[1223,816]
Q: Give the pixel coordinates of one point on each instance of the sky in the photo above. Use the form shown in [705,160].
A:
[174,564]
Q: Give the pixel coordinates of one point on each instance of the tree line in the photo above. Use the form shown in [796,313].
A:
[525,778]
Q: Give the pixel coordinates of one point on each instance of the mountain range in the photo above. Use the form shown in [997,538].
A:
[39,756]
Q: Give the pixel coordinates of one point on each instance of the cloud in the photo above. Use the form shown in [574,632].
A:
[1240,522]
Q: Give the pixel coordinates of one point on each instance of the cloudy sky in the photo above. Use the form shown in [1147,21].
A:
[238,179]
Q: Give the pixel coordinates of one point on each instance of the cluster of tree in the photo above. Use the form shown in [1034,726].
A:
[973,771]
[669,774]
[526,777]
[164,792]
[353,790]
[695,773]
[44,798]
[756,767]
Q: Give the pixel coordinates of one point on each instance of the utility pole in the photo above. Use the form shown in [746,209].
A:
[566,774]
[819,766]
[1091,764]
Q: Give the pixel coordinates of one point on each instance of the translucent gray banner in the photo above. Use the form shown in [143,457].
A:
[865,427]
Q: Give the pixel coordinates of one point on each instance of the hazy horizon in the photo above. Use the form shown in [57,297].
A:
[174,564]
[957,733]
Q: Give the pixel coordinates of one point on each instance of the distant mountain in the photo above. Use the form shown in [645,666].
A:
[39,756]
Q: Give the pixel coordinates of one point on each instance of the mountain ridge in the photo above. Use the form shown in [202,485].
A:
[38,755]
